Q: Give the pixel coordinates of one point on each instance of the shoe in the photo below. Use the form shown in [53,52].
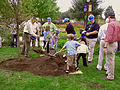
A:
[86,65]
[22,53]
[89,61]
[106,74]
[76,68]
[27,56]
[98,69]
[108,79]
[67,71]
[65,61]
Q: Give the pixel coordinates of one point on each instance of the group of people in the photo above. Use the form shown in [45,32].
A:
[109,36]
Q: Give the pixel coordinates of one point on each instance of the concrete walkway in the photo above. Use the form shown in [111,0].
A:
[41,41]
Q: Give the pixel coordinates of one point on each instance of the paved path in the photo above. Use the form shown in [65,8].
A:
[41,41]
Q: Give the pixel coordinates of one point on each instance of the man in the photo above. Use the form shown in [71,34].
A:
[52,27]
[69,29]
[13,34]
[39,30]
[101,37]
[49,23]
[91,36]
[28,30]
[111,39]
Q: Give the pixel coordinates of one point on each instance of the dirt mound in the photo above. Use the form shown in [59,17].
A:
[43,66]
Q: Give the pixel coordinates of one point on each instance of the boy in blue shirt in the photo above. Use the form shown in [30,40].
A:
[71,45]
[46,38]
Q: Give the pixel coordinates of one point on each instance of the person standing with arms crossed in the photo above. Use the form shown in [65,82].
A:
[111,39]
[91,36]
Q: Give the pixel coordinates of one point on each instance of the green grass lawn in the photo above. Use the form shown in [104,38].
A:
[27,81]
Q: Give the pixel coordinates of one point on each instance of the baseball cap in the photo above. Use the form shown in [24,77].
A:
[111,14]
[37,18]
[48,19]
[91,17]
[57,31]
[66,20]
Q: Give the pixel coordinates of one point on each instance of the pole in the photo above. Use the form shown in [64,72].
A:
[83,15]
[87,14]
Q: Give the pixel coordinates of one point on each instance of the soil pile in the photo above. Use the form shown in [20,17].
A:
[43,66]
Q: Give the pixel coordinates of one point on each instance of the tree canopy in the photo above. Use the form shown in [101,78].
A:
[109,9]
[77,10]
[29,8]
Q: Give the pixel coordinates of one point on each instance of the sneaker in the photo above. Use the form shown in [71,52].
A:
[27,56]
[76,68]
[98,69]
[89,61]
[67,71]
[65,61]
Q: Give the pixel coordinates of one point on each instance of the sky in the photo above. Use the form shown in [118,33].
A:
[66,4]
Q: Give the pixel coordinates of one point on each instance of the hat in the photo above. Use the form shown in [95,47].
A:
[91,17]
[111,14]
[66,20]
[48,19]
[32,37]
[57,31]
[37,19]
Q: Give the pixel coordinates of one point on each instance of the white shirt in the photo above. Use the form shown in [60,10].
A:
[102,32]
[29,27]
[82,48]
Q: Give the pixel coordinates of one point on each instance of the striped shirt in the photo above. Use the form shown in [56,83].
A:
[113,32]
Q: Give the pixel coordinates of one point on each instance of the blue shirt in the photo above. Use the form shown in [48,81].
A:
[70,29]
[71,47]
[46,34]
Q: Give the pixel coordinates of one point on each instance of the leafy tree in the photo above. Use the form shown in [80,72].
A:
[17,12]
[77,10]
[41,8]
[109,9]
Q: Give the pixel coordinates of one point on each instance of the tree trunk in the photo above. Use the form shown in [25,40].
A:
[16,8]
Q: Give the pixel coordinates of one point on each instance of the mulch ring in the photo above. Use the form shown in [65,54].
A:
[43,66]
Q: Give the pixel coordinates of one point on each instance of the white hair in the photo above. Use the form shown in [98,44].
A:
[107,20]
[37,19]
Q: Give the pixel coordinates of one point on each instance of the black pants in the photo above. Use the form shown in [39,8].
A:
[84,59]
[13,36]
[47,46]
[38,39]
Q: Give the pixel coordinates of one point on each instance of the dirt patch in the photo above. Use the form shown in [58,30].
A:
[43,66]
[93,84]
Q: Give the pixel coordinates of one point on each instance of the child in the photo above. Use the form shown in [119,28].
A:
[82,51]
[46,38]
[82,37]
[54,41]
[70,45]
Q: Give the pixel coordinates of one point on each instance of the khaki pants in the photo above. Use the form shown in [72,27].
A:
[91,44]
[26,45]
[33,43]
[110,57]
[101,56]
[71,59]
[0,42]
